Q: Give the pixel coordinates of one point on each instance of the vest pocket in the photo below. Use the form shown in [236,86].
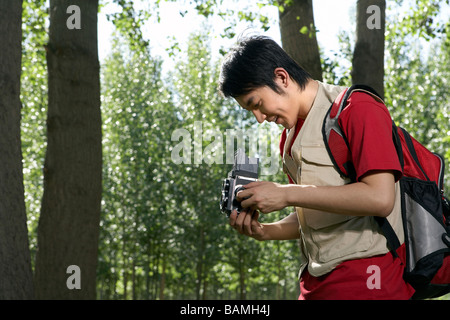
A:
[317,220]
[316,154]
[332,236]
[353,236]
[318,170]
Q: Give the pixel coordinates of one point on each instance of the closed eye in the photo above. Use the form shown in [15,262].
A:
[256,106]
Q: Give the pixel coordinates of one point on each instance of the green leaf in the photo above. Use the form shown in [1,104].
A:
[304,30]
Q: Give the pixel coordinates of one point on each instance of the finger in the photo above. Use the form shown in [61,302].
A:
[252,184]
[240,221]
[247,203]
[256,225]
[248,222]
[241,195]
[233,217]
[246,192]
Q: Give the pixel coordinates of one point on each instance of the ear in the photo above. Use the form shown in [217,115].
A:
[281,77]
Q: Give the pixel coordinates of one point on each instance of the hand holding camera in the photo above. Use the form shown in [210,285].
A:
[245,170]
[243,195]
[247,223]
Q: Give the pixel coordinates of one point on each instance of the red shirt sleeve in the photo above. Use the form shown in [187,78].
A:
[367,125]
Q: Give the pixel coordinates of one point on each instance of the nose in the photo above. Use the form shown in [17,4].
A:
[260,117]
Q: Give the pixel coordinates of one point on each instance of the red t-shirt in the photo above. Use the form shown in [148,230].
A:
[367,125]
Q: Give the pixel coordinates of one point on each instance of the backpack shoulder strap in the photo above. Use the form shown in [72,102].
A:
[333,134]
[331,119]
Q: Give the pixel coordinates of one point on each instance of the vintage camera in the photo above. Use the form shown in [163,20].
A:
[245,170]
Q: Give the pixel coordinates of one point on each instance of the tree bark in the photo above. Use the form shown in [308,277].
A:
[368,56]
[16,280]
[162,282]
[200,262]
[242,275]
[69,222]
[302,47]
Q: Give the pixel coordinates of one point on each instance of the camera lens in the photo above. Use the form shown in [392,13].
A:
[225,196]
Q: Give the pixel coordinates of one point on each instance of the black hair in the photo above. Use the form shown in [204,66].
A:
[251,64]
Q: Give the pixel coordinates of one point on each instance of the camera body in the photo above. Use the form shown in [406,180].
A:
[245,170]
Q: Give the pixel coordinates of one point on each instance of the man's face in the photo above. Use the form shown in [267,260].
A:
[268,105]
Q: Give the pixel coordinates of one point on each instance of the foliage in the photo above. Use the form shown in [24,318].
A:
[134,105]
[416,78]
[233,12]
[34,110]
[129,21]
[337,68]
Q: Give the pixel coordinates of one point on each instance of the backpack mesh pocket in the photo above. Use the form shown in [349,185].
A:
[424,229]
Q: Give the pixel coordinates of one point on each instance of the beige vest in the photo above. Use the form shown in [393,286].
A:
[327,239]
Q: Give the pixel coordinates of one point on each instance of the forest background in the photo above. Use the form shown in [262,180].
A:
[91,195]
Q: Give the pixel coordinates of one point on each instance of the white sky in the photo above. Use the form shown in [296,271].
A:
[173,25]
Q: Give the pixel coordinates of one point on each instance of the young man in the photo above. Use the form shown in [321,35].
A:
[344,255]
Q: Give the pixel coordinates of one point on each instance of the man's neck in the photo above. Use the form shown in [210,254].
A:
[307,97]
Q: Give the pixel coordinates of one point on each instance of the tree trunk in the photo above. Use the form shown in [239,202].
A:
[200,262]
[298,36]
[162,283]
[242,273]
[16,280]
[368,56]
[69,222]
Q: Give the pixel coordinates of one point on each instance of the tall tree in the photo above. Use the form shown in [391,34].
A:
[138,118]
[69,222]
[298,35]
[15,265]
[368,56]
